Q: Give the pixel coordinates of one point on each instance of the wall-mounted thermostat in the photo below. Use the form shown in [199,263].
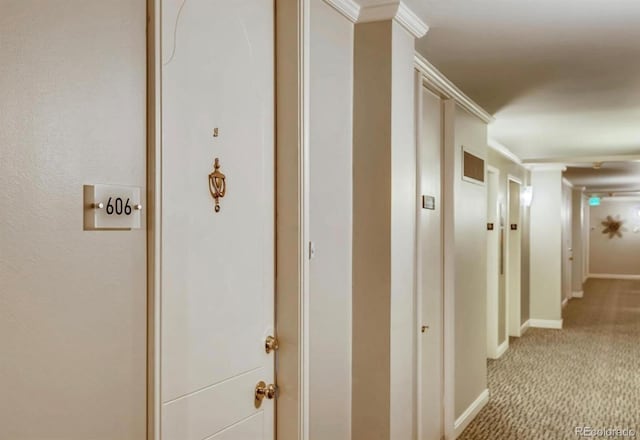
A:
[112,207]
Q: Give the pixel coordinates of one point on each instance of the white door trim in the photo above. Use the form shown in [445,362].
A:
[418,398]
[292,23]
[154,215]
[512,300]
[449,183]
[292,224]
[292,220]
[493,298]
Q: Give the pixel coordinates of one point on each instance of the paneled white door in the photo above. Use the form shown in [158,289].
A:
[217,290]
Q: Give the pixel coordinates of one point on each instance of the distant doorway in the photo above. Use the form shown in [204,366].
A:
[513,268]
[496,338]
[430,264]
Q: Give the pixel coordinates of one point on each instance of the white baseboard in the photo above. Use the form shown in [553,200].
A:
[578,294]
[565,302]
[546,323]
[613,276]
[503,348]
[524,327]
[470,413]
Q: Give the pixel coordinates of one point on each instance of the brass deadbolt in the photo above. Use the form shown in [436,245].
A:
[271,344]
[425,328]
[263,390]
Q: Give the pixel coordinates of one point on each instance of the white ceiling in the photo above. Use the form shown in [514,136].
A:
[562,77]
[612,176]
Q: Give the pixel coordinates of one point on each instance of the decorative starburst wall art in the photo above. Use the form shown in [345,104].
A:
[613,226]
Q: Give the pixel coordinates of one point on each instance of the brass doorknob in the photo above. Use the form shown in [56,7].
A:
[263,390]
[271,344]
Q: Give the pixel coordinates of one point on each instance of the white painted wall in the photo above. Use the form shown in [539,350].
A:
[72,302]
[546,245]
[617,256]
[330,210]
[465,235]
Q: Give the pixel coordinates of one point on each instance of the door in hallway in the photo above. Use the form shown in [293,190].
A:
[513,261]
[567,240]
[217,266]
[494,264]
[430,268]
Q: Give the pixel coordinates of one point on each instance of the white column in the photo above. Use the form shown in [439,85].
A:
[546,246]
[384,209]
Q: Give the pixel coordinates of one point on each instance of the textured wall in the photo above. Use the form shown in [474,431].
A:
[72,302]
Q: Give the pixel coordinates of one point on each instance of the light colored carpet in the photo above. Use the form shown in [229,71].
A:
[587,374]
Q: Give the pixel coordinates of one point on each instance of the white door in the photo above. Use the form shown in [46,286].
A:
[217,292]
[430,269]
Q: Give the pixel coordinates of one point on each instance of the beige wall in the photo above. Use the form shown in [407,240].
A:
[619,256]
[330,204]
[546,245]
[509,168]
[72,303]
[469,256]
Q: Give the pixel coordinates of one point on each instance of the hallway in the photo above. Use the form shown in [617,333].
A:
[551,381]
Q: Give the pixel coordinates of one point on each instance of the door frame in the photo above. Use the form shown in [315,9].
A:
[493,298]
[291,205]
[421,84]
[512,300]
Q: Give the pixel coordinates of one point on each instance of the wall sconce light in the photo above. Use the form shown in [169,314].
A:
[526,195]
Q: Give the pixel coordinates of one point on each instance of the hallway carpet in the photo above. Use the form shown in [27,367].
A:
[588,374]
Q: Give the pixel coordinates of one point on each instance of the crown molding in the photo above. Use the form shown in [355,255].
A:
[620,198]
[411,22]
[500,148]
[434,78]
[580,160]
[547,166]
[349,8]
[394,10]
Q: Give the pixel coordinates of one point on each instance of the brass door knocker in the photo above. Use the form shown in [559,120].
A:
[217,184]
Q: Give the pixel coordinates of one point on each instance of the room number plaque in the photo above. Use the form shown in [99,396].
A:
[111,207]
